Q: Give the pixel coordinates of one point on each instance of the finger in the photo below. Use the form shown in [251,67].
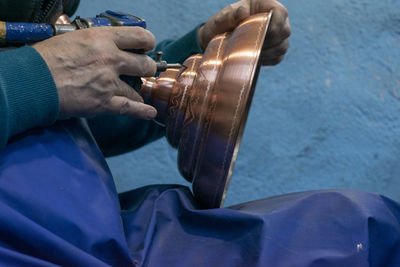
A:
[123,89]
[230,17]
[136,65]
[276,35]
[275,51]
[124,106]
[271,61]
[133,38]
[224,21]
[259,6]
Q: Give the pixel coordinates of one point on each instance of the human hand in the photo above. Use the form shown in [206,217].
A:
[86,66]
[277,38]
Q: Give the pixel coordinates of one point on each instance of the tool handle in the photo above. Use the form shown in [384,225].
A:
[22,33]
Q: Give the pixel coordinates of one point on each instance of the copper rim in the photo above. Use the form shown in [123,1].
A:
[234,89]
[205,106]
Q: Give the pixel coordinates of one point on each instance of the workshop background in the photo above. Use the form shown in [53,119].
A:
[327,117]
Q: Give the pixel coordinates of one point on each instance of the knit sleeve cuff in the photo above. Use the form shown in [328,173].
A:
[28,94]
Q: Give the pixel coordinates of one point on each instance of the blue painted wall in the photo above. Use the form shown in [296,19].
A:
[327,117]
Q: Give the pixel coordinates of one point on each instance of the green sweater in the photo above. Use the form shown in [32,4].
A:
[28,99]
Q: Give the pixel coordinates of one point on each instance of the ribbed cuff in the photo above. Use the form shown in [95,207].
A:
[28,90]
[179,50]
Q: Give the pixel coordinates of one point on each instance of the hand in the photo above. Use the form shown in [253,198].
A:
[277,39]
[86,66]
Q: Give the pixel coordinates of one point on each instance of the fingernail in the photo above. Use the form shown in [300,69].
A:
[151,114]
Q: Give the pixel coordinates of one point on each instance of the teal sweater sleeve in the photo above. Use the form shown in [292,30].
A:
[28,95]
[119,134]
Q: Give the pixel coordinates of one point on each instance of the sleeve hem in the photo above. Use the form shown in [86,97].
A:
[28,92]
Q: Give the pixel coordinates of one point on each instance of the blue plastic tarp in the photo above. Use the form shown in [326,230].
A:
[59,206]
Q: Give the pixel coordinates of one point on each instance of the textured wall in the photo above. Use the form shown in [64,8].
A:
[327,117]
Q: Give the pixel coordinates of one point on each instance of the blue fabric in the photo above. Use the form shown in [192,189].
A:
[59,206]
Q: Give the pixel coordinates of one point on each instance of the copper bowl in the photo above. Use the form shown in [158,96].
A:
[204,107]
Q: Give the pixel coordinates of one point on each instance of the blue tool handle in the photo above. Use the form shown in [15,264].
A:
[18,32]
[22,33]
[118,19]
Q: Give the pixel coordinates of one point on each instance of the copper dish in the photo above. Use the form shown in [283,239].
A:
[204,107]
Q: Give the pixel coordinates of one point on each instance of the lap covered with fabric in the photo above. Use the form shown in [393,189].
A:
[59,206]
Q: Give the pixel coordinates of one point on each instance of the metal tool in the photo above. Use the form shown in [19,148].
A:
[162,65]
[14,33]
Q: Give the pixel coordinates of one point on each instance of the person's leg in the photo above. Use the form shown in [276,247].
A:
[318,228]
[58,203]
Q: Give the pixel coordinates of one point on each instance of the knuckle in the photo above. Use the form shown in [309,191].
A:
[146,67]
[124,107]
[109,79]
[121,64]
[98,105]
[282,49]
[152,40]
[139,32]
[142,69]
[105,55]
[276,61]
[145,39]
[104,58]
[220,17]
[107,74]
[97,33]
[279,9]
[274,31]
[284,11]
[287,31]
[151,67]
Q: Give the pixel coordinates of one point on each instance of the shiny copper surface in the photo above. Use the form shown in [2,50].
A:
[63,19]
[204,107]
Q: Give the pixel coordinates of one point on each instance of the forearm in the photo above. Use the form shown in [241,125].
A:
[28,96]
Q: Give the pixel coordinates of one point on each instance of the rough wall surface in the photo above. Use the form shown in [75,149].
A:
[327,117]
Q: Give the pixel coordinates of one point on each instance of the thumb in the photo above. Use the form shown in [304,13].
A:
[225,20]
[230,17]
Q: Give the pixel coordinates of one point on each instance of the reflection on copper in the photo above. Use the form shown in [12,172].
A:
[204,107]
[242,54]
[166,79]
[63,19]
[213,62]
[253,19]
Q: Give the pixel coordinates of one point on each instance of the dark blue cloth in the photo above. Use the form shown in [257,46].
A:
[59,206]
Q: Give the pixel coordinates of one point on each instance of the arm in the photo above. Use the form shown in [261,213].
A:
[117,134]
[28,95]
[65,76]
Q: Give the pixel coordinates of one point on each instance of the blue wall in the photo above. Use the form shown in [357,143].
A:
[327,117]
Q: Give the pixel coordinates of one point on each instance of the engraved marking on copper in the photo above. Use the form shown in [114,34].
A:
[3,32]
[208,89]
[184,94]
[235,117]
